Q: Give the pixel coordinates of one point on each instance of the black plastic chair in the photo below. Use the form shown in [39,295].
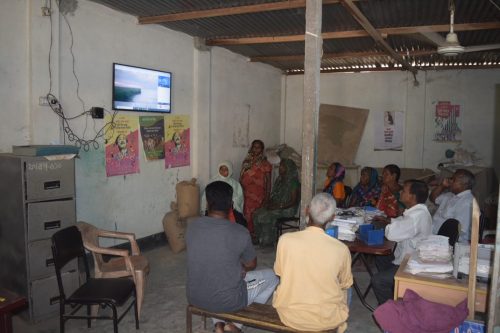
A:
[451,229]
[286,223]
[67,245]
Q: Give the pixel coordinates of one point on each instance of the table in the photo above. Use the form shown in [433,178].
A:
[359,249]
[449,291]
[9,302]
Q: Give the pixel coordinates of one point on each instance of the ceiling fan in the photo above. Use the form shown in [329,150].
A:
[450,46]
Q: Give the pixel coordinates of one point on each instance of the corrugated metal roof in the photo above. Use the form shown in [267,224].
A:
[335,18]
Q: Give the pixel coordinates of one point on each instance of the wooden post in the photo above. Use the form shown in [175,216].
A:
[312,64]
[494,289]
[474,238]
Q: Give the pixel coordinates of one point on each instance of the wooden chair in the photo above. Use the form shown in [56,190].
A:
[67,245]
[122,263]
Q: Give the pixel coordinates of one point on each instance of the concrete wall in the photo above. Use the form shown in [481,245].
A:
[496,134]
[395,91]
[208,85]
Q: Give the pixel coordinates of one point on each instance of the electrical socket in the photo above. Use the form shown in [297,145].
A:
[45,11]
[43,101]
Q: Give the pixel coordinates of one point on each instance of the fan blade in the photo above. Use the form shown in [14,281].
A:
[478,48]
[434,37]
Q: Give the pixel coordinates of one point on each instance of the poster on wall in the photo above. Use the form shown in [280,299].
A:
[177,148]
[122,146]
[448,122]
[152,135]
[389,131]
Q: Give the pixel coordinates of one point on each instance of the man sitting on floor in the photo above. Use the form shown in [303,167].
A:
[221,260]
[315,272]
[414,225]
[454,198]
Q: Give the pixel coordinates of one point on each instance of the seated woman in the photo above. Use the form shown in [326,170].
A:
[334,183]
[285,197]
[224,173]
[367,192]
[389,196]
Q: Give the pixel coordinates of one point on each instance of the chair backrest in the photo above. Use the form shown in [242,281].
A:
[348,193]
[451,229]
[67,245]
[90,237]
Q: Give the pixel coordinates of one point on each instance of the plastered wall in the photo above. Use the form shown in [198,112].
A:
[395,91]
[209,85]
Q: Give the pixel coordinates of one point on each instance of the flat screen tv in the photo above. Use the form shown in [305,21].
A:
[141,89]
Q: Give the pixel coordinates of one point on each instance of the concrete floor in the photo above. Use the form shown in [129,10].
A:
[165,302]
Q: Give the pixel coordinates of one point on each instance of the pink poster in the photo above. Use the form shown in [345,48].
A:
[177,147]
[122,147]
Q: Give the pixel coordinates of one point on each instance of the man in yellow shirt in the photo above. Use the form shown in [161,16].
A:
[315,272]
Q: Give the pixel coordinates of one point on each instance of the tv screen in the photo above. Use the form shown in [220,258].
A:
[141,89]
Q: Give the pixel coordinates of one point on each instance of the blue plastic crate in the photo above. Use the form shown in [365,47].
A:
[470,326]
[333,231]
[467,326]
[371,236]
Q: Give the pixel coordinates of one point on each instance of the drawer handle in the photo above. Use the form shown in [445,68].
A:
[52,225]
[54,300]
[49,262]
[52,185]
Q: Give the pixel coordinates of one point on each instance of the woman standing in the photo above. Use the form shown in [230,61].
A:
[255,178]
[283,203]
[367,192]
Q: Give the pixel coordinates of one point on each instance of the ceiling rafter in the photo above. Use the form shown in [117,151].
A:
[376,35]
[236,10]
[339,55]
[354,33]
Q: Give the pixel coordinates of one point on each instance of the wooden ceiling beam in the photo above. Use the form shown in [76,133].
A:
[355,33]
[376,35]
[236,10]
[340,55]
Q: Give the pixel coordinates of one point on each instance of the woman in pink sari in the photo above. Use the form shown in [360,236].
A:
[255,178]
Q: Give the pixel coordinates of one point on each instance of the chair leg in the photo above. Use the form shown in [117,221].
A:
[136,312]
[115,319]
[189,322]
[140,283]
[61,316]
[89,313]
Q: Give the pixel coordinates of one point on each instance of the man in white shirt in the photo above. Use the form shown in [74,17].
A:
[454,198]
[414,225]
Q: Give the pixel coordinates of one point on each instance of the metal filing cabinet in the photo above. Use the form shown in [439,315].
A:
[37,198]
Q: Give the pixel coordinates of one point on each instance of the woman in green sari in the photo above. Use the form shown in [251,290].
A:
[285,197]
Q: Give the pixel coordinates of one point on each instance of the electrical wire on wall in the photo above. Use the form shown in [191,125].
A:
[56,106]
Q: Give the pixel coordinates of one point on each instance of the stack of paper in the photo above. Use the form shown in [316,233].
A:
[415,266]
[371,212]
[483,267]
[347,229]
[434,248]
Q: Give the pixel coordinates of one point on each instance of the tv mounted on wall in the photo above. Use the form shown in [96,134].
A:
[141,89]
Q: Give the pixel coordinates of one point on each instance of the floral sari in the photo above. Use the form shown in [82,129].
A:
[389,202]
[366,195]
[264,219]
[253,180]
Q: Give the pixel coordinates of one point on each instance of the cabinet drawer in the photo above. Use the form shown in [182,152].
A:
[49,179]
[45,294]
[40,260]
[45,218]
